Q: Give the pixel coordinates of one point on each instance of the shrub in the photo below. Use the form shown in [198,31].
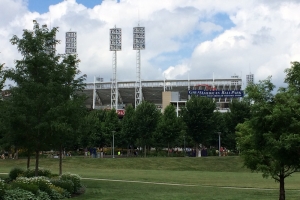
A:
[15,172]
[61,191]
[41,172]
[75,180]
[31,187]
[56,192]
[2,188]
[41,195]
[65,184]
[212,152]
[19,194]
[43,184]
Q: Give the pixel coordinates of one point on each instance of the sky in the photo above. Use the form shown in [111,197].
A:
[185,39]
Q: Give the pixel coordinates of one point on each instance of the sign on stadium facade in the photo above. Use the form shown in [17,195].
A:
[217,93]
[121,112]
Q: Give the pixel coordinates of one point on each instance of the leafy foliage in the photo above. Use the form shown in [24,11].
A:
[169,126]
[46,102]
[75,180]
[128,129]
[270,139]
[65,184]
[146,119]
[15,172]
[19,194]
[2,188]
[198,117]
[41,172]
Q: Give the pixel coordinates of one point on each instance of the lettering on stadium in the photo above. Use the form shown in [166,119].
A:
[217,93]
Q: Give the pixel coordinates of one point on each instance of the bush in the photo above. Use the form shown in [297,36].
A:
[43,184]
[15,172]
[18,194]
[43,195]
[2,188]
[65,184]
[41,172]
[56,192]
[75,180]
[212,152]
[31,187]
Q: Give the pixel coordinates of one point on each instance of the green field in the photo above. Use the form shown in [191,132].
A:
[166,178]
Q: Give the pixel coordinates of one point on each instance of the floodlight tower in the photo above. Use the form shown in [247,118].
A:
[115,45]
[138,44]
[71,43]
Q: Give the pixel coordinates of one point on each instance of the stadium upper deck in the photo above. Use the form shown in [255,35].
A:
[153,90]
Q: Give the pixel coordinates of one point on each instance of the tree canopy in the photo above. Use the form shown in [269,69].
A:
[270,139]
[198,115]
[47,90]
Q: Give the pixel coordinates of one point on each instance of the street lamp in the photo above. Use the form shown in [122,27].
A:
[184,145]
[219,143]
[113,151]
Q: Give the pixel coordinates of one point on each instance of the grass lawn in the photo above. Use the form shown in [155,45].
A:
[166,178]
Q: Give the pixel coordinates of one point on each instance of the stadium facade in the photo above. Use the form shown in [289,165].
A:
[163,92]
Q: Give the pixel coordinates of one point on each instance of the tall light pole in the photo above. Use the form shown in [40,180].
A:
[113,147]
[115,45]
[138,44]
[219,143]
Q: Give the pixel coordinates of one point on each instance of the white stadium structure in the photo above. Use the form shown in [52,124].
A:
[163,92]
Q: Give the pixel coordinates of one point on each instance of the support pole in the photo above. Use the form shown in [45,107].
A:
[219,143]
[94,93]
[138,86]
[113,144]
[114,87]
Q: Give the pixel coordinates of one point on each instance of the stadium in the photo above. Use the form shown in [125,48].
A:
[163,92]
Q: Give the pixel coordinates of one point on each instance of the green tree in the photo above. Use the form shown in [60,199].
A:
[45,83]
[111,128]
[239,112]
[147,117]
[169,126]
[198,115]
[270,140]
[89,128]
[128,129]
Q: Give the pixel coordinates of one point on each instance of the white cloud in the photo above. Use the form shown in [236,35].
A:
[174,72]
[264,36]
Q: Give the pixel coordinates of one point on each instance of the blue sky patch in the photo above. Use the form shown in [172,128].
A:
[42,6]
[191,41]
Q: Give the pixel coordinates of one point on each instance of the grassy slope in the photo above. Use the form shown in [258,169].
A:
[202,172]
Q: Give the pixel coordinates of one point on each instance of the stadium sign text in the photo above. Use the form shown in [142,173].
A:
[217,93]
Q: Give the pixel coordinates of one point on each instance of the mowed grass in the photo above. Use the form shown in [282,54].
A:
[166,178]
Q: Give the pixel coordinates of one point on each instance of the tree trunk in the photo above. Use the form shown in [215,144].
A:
[60,160]
[281,188]
[128,150]
[197,151]
[16,156]
[145,151]
[37,156]
[168,150]
[28,160]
